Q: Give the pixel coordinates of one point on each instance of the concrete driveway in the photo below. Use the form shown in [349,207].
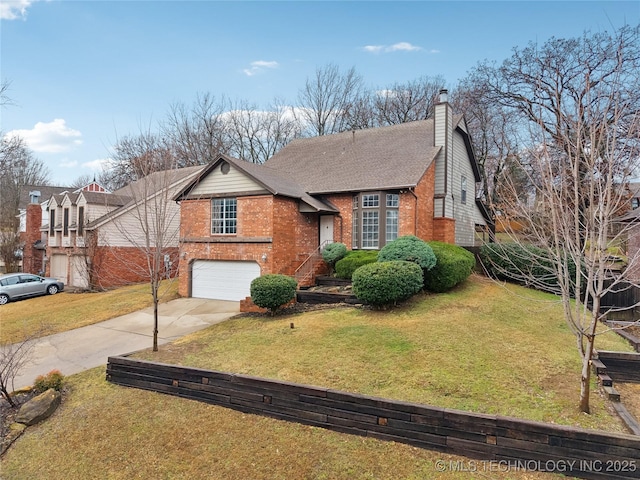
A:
[87,347]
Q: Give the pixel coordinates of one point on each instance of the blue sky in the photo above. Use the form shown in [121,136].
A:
[83,73]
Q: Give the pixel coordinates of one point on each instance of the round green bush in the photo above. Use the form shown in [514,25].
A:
[386,283]
[334,252]
[273,290]
[354,259]
[410,249]
[453,265]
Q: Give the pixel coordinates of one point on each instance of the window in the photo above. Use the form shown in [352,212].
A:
[392,225]
[356,229]
[635,203]
[463,192]
[65,225]
[52,223]
[369,201]
[375,219]
[370,229]
[224,215]
[80,221]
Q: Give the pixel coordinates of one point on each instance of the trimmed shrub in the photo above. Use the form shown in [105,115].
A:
[385,283]
[272,291]
[54,379]
[353,260]
[410,249]
[453,265]
[524,264]
[334,252]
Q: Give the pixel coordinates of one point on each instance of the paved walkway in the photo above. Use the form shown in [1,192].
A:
[87,347]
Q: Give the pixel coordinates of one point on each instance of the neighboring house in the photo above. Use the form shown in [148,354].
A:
[32,209]
[94,237]
[363,188]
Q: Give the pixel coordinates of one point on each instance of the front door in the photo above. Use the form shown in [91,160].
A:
[326,229]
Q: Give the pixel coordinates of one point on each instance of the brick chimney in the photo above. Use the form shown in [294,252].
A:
[33,248]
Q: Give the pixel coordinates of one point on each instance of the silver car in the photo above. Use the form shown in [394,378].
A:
[14,286]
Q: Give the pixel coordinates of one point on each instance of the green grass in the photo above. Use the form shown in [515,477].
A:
[65,311]
[103,431]
[482,347]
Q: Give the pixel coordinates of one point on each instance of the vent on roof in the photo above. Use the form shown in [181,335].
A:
[34,196]
[225,167]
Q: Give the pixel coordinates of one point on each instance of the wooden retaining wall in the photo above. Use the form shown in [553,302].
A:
[509,442]
[621,366]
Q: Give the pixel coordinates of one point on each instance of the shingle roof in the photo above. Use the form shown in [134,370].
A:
[101,198]
[135,192]
[46,192]
[377,158]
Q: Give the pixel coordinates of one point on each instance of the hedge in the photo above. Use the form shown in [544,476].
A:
[453,265]
[386,283]
[353,260]
[411,249]
[523,264]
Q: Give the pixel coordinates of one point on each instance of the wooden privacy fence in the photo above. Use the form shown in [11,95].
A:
[502,443]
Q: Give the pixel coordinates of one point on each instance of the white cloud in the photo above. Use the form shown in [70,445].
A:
[68,163]
[433,50]
[373,48]
[52,137]
[396,47]
[97,165]
[403,46]
[259,66]
[14,9]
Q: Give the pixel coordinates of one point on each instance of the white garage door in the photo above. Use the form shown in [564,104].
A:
[223,280]
[59,268]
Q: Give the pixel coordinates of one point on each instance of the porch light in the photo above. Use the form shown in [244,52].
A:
[264,257]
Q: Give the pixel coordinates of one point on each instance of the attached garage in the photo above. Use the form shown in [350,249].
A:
[222,280]
[58,268]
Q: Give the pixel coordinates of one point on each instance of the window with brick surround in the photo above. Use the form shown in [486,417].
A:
[224,216]
[375,219]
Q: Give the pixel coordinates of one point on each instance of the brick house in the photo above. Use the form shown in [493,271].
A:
[94,237]
[32,212]
[362,188]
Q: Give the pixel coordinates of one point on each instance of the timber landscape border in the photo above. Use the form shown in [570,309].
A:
[589,454]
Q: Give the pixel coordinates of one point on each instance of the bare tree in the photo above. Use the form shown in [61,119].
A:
[148,225]
[198,133]
[494,133]
[256,135]
[13,358]
[19,168]
[407,102]
[325,102]
[581,99]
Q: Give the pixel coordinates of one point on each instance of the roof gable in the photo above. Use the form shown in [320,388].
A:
[259,177]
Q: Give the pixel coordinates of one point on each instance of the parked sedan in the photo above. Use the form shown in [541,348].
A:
[14,286]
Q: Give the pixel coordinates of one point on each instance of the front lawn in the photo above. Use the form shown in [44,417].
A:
[484,347]
[65,311]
